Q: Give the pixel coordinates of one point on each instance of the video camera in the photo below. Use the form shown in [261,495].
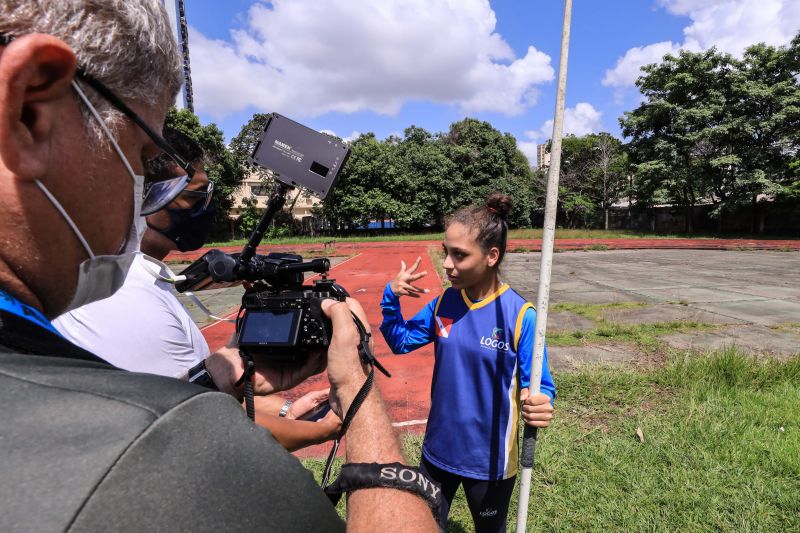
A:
[280,317]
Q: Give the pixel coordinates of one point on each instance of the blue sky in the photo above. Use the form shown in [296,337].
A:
[356,66]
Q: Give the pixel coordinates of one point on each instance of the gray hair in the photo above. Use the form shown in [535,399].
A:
[126,44]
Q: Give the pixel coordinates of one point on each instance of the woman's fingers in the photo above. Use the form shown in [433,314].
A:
[415,277]
[415,266]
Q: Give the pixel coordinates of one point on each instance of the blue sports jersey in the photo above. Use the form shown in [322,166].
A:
[483,357]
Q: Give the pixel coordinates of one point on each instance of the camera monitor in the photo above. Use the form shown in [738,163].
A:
[300,156]
[270,327]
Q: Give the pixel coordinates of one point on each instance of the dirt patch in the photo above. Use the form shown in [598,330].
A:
[576,357]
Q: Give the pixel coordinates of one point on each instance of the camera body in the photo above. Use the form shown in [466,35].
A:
[281,318]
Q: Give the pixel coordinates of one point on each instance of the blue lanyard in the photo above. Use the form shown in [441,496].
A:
[11,305]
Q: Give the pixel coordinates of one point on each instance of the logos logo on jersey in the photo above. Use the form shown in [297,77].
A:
[444,325]
[495,341]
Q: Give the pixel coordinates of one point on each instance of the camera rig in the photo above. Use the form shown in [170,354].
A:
[280,317]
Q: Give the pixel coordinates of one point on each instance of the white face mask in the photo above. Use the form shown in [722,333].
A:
[100,276]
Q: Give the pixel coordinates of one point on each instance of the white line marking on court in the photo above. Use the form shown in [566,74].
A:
[409,423]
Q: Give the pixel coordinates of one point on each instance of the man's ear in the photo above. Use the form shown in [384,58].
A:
[493,256]
[35,75]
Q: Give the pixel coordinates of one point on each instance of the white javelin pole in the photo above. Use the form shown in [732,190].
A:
[548,237]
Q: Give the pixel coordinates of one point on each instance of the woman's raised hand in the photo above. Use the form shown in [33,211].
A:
[402,284]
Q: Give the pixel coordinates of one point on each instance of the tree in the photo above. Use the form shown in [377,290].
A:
[593,177]
[220,164]
[673,131]
[487,160]
[765,119]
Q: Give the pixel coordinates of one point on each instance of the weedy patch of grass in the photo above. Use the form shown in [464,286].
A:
[594,311]
[437,259]
[721,449]
[597,247]
[791,327]
[644,336]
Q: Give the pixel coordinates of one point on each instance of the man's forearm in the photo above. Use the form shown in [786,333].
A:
[293,434]
[371,439]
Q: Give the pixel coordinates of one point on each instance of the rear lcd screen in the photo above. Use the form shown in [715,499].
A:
[269,327]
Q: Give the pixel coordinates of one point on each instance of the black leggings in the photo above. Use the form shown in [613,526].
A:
[488,500]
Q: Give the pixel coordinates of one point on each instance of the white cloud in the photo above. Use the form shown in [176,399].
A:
[628,66]
[579,120]
[529,147]
[350,138]
[730,25]
[305,58]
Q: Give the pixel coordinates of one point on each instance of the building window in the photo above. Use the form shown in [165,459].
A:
[259,190]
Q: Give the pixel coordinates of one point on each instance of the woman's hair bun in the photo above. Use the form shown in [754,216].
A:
[500,204]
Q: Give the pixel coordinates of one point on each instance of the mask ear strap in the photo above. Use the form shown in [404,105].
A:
[102,123]
[64,214]
[172,279]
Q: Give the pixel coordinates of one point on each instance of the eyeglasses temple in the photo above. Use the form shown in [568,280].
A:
[119,104]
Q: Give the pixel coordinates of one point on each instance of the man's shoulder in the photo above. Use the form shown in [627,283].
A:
[154,394]
[90,446]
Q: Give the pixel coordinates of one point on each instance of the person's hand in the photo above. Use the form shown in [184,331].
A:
[226,367]
[307,403]
[401,284]
[537,411]
[346,373]
[331,425]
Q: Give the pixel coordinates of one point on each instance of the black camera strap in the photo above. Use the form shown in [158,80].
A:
[247,379]
[366,356]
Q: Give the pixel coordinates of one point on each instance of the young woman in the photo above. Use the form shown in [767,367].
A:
[483,333]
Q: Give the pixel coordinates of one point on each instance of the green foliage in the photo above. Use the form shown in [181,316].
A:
[244,143]
[419,179]
[713,127]
[221,165]
[250,216]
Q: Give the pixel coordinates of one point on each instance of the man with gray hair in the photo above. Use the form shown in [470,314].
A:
[84,86]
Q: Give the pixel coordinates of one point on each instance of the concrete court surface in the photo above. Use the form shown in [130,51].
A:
[752,297]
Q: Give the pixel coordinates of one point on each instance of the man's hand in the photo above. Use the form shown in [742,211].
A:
[401,284]
[307,403]
[346,373]
[226,367]
[537,411]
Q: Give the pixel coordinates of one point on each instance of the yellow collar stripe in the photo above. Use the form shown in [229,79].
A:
[486,301]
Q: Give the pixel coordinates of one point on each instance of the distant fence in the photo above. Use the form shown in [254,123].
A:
[766,218]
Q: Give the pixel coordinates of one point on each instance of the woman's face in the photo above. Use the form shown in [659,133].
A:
[465,263]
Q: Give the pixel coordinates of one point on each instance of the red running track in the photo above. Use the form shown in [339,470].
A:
[407,392]
[373,264]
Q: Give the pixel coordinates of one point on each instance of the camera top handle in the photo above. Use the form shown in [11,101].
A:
[277,199]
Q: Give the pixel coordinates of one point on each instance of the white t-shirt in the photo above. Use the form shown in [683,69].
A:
[142,327]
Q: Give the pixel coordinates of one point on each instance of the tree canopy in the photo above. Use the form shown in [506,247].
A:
[714,128]
[417,180]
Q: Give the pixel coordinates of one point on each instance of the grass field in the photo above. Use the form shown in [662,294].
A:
[513,234]
[721,449]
